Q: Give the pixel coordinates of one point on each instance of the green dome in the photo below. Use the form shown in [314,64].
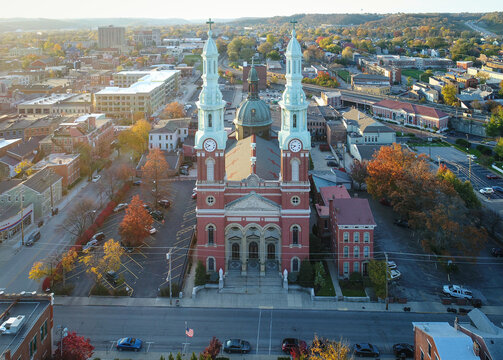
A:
[252,75]
[253,112]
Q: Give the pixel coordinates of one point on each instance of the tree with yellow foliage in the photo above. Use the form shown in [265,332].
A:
[68,263]
[24,167]
[173,110]
[98,263]
[329,350]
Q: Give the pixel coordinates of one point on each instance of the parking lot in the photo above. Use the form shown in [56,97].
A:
[422,278]
[145,269]
[458,162]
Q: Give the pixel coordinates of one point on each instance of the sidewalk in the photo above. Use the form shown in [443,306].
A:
[210,298]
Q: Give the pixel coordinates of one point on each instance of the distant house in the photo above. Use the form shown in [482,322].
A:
[169,134]
[414,115]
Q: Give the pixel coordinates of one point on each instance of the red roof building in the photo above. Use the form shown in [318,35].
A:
[411,114]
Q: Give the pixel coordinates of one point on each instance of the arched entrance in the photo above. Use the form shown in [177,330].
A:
[271,252]
[253,250]
[235,251]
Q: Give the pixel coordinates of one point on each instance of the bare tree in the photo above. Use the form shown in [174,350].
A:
[80,217]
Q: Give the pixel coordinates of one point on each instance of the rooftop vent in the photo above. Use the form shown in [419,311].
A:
[12,325]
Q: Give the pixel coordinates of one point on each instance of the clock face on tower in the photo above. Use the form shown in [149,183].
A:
[295,145]
[210,145]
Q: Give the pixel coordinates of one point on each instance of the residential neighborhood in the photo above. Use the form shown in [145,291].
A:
[257,186]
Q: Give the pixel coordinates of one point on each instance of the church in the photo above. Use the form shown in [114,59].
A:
[252,185]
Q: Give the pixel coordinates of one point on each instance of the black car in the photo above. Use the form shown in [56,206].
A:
[112,277]
[401,223]
[237,346]
[497,252]
[365,350]
[405,349]
[32,239]
[331,163]
[126,248]
[164,203]
[157,215]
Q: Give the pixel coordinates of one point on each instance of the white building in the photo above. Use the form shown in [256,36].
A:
[363,129]
[138,91]
[57,104]
[169,134]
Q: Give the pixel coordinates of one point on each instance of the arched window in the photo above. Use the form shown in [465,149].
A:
[294,121]
[235,251]
[211,234]
[210,264]
[210,170]
[295,169]
[356,237]
[295,265]
[356,252]
[210,122]
[295,235]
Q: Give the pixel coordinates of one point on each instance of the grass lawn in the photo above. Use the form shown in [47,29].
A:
[344,75]
[353,289]
[414,73]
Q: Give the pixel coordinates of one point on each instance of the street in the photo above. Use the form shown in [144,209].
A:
[263,328]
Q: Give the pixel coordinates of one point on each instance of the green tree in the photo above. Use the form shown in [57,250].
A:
[319,275]
[306,274]
[274,55]
[377,275]
[495,125]
[449,94]
[409,81]
[200,278]
[271,39]
[500,91]
[464,189]
[498,149]
[347,53]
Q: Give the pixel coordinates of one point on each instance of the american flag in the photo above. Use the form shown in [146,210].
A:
[189,332]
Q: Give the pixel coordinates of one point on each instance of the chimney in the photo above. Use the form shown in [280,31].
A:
[331,208]
[253,157]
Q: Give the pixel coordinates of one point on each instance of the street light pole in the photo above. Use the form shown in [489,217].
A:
[168,257]
[386,256]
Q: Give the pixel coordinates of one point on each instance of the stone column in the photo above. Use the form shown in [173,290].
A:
[262,251]
[243,250]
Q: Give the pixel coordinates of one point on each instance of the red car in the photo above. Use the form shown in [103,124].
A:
[194,195]
[492,176]
[291,344]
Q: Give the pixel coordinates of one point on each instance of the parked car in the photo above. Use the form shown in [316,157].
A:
[331,163]
[471,156]
[487,190]
[330,157]
[112,277]
[289,344]
[152,230]
[147,207]
[457,291]
[497,252]
[137,183]
[402,349]
[90,245]
[365,350]
[32,238]
[237,346]
[183,171]
[194,195]
[394,274]
[96,178]
[126,248]
[98,236]
[129,343]
[157,215]
[391,265]
[164,203]
[120,207]
[498,188]
[401,223]
[492,177]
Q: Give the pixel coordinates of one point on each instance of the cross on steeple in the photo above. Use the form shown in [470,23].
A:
[293,22]
[209,22]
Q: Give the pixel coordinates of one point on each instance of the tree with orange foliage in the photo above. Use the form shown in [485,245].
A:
[154,172]
[136,223]
[173,110]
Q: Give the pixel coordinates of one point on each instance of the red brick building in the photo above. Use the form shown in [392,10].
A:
[352,225]
[252,191]
[410,114]
[441,341]
[33,338]
[65,165]
[262,76]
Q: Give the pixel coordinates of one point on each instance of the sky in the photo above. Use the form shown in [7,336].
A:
[223,9]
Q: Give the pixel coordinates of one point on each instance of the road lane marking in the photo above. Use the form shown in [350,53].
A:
[270,334]
[258,330]
[137,263]
[132,273]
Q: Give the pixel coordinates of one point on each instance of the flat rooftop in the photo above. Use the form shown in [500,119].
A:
[56,98]
[31,309]
[146,84]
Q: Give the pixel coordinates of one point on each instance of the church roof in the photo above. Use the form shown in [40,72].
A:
[253,112]
[294,46]
[210,48]
[238,159]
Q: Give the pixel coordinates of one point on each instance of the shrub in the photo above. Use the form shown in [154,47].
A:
[178,356]
[293,277]
[284,358]
[485,150]
[66,290]
[463,143]
[175,290]
[171,357]
[306,274]
[120,292]
[99,290]
[200,274]
[355,277]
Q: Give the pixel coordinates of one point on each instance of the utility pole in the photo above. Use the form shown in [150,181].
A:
[22,217]
[469,167]
[387,271]
[168,257]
